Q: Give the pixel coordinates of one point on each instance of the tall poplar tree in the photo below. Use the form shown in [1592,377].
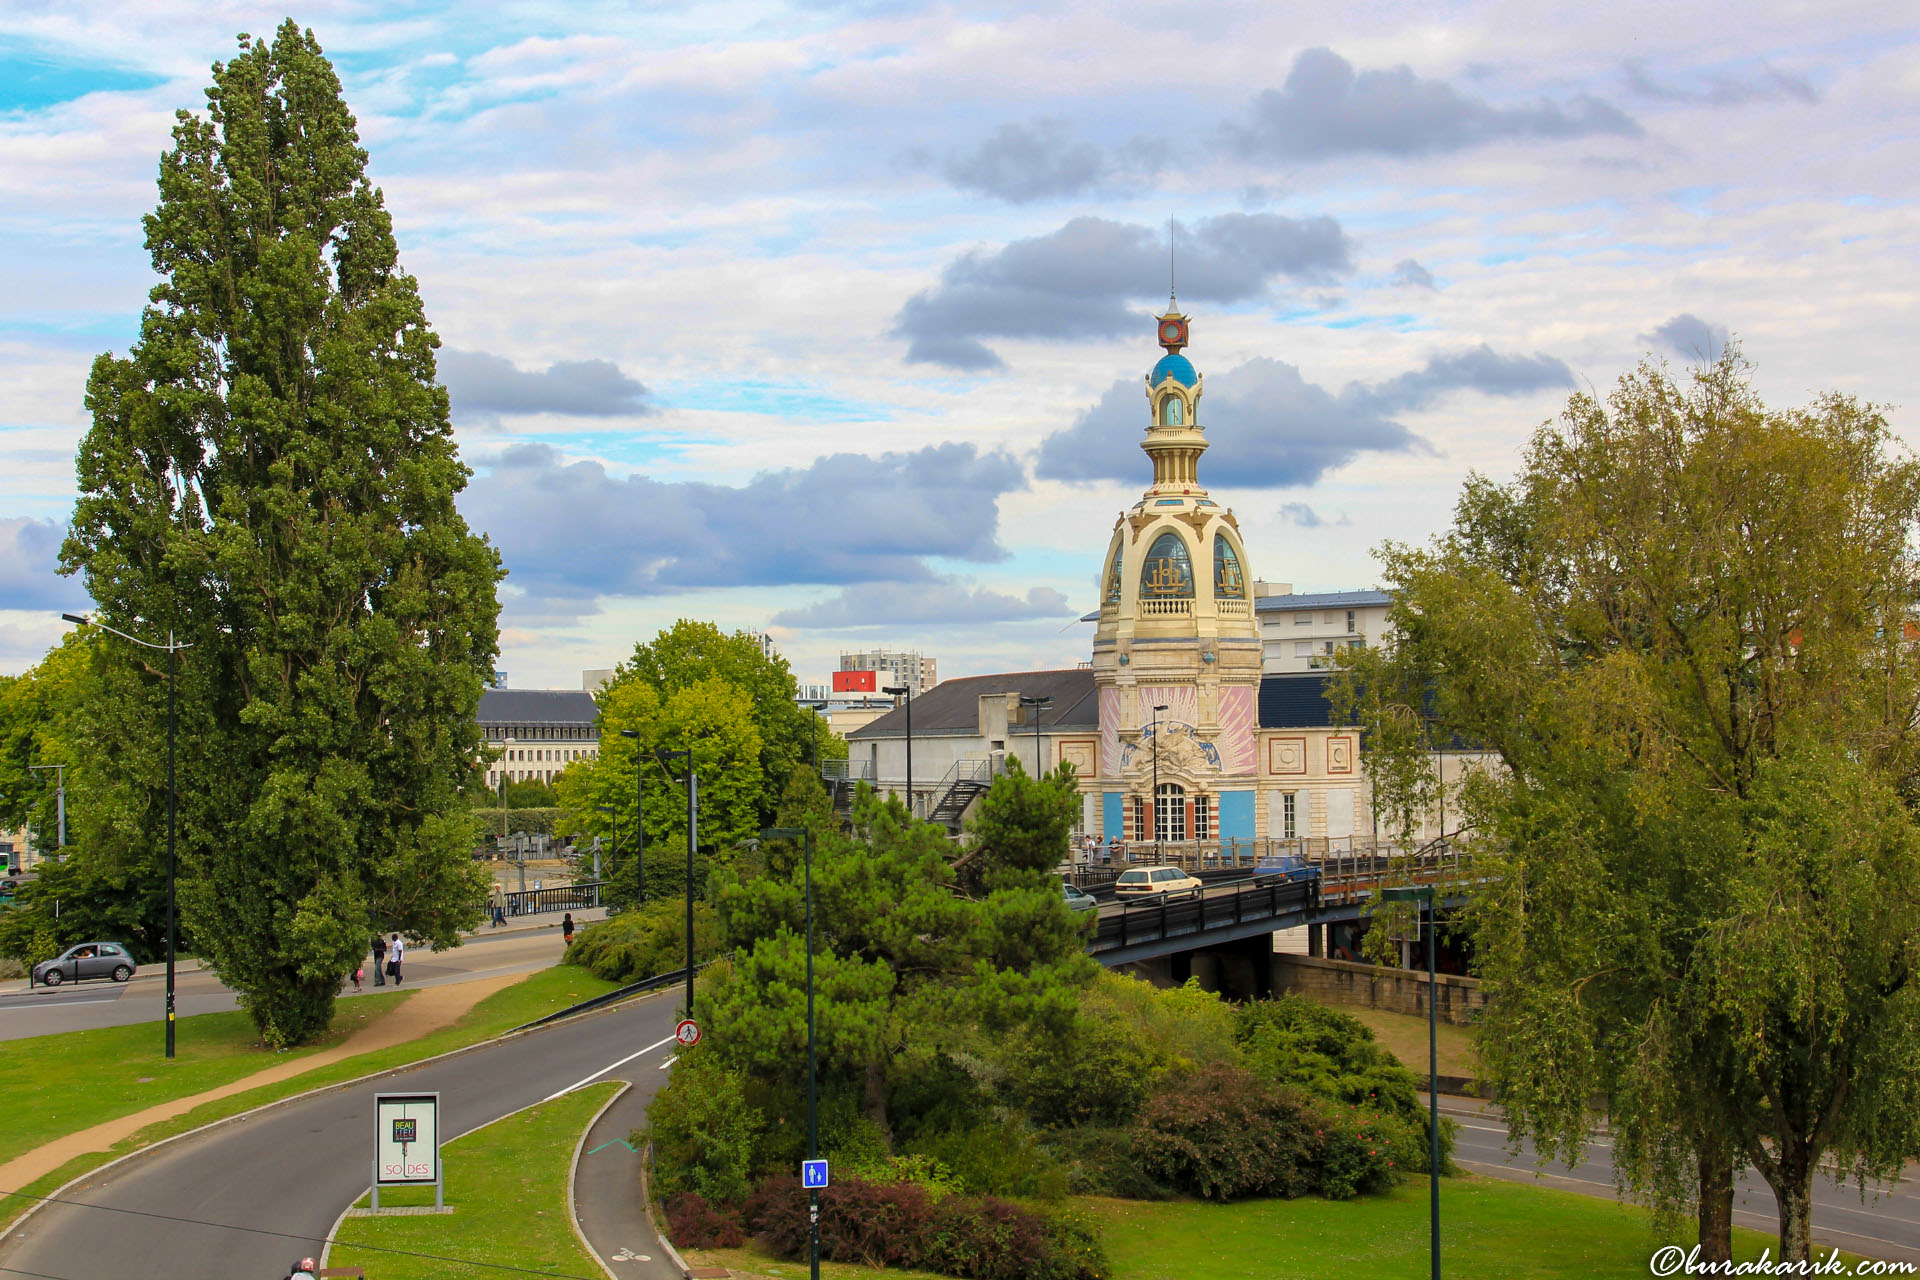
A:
[270,475]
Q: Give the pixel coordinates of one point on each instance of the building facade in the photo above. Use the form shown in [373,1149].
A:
[1305,632]
[888,667]
[539,732]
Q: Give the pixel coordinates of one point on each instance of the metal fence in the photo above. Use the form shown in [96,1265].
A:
[566,897]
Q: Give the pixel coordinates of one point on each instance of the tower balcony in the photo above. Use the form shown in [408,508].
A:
[1230,608]
[1175,608]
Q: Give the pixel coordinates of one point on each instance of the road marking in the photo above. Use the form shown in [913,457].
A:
[68,1004]
[669,1062]
[609,1067]
[617,1142]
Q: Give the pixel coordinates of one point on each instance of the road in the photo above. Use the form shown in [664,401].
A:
[244,1199]
[79,1007]
[1882,1225]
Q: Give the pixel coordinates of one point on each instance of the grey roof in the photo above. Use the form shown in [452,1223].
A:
[1324,600]
[537,706]
[953,706]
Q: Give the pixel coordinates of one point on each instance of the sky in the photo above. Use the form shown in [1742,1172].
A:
[831,319]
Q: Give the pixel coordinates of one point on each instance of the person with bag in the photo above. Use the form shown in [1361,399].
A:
[395,954]
[566,928]
[379,954]
[356,978]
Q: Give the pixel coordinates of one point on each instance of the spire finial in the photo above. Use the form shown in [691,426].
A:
[1171,297]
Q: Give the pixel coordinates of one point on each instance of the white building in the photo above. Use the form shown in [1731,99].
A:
[538,731]
[1303,632]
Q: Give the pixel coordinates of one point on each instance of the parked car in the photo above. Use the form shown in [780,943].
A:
[85,960]
[1288,865]
[1079,899]
[1155,882]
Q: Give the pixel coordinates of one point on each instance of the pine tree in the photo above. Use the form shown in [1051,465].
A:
[271,475]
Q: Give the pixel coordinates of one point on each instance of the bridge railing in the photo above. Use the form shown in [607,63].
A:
[566,897]
[1238,902]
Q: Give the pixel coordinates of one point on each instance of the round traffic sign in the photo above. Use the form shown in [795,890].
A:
[687,1033]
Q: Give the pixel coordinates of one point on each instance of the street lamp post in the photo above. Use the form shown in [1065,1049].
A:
[1038,705]
[805,835]
[639,824]
[693,827]
[506,755]
[897,690]
[1158,854]
[172,648]
[59,799]
[1418,894]
[613,816]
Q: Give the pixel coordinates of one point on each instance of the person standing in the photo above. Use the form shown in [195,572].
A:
[499,900]
[395,954]
[379,960]
[566,928]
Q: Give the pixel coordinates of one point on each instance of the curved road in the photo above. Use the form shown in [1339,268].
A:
[271,1186]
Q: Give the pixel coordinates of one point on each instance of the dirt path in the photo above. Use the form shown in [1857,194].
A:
[425,1011]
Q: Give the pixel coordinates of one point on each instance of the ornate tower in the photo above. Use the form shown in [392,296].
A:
[1177,632]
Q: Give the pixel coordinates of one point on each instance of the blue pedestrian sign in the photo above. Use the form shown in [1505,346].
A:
[813,1174]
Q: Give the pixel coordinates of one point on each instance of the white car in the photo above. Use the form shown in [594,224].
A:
[1155,882]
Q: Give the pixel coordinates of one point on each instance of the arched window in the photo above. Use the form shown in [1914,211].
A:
[1170,812]
[1112,594]
[1228,582]
[1168,571]
[1173,411]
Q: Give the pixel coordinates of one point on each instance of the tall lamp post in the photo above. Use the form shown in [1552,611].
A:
[172,648]
[897,690]
[805,835]
[693,827]
[59,799]
[506,754]
[1158,854]
[639,824]
[1038,705]
[1423,893]
[613,816]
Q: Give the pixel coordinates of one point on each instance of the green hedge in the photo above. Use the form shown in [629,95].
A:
[641,943]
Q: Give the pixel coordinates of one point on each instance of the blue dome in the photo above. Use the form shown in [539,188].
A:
[1176,366]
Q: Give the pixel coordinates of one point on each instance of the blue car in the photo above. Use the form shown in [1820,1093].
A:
[1289,866]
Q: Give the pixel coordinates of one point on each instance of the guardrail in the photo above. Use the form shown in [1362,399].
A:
[566,897]
[1235,903]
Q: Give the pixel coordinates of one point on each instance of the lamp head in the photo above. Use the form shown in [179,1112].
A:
[629,733]
[77,619]
[895,689]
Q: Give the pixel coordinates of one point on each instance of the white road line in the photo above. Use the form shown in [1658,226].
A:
[66,1004]
[609,1067]
[669,1062]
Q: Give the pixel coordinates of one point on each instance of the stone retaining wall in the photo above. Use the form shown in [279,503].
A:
[1395,990]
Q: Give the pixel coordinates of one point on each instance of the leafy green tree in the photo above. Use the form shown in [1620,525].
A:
[710,717]
[270,475]
[691,651]
[1683,631]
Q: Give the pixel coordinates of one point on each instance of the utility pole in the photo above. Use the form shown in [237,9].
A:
[1038,705]
[1158,855]
[693,828]
[59,798]
[897,690]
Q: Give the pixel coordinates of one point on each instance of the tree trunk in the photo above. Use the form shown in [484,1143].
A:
[1715,1160]
[1794,1191]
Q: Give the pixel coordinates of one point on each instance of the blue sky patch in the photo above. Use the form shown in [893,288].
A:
[33,78]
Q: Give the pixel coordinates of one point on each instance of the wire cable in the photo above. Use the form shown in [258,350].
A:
[282,1235]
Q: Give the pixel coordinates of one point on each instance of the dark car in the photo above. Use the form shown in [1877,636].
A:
[1289,866]
[1079,899]
[85,960]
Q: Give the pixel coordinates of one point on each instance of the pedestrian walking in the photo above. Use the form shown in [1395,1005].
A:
[566,928]
[379,956]
[356,979]
[499,901]
[395,954]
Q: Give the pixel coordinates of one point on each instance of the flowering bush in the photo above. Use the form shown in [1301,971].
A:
[1224,1133]
[694,1224]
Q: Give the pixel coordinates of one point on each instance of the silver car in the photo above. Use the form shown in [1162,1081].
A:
[85,960]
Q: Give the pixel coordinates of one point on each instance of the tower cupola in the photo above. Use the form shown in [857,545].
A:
[1174,438]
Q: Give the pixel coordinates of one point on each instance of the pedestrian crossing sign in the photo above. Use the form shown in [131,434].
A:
[813,1174]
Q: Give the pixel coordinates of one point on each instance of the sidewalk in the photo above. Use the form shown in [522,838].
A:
[185,965]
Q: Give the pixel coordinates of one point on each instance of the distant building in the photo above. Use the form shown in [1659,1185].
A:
[597,679]
[875,669]
[1303,632]
[540,732]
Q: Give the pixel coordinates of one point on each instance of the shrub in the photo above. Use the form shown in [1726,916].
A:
[1225,1133]
[901,1226]
[1360,1151]
[1002,1157]
[1097,1073]
[922,1171]
[1184,1027]
[702,1130]
[1100,1162]
[694,1224]
[646,942]
[1293,1041]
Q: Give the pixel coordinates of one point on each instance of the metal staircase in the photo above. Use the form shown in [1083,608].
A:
[963,784]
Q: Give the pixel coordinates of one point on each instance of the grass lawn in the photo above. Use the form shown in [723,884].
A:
[1490,1230]
[507,1186]
[63,1083]
[1405,1037]
[537,994]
